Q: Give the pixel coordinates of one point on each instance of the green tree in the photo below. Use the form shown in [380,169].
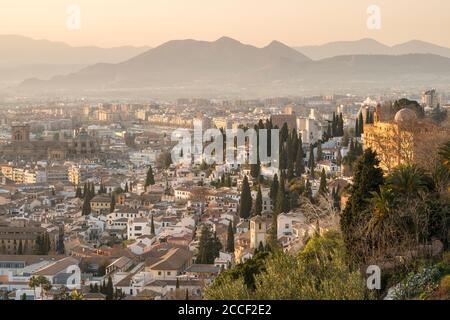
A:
[258,202]
[299,164]
[245,205]
[311,162]
[282,201]
[208,247]
[230,238]
[152,226]
[109,291]
[367,179]
[20,249]
[274,190]
[150,179]
[319,151]
[323,187]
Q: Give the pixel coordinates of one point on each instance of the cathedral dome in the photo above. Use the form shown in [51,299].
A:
[405,116]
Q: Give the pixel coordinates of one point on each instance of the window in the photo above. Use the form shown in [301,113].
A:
[168,273]
[159,273]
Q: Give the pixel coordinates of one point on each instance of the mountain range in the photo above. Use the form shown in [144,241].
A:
[227,65]
[371,47]
[22,57]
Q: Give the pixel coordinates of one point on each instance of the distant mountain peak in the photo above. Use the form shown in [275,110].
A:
[226,39]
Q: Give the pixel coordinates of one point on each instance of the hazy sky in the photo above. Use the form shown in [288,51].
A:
[294,22]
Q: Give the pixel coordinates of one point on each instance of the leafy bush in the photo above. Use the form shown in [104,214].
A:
[418,285]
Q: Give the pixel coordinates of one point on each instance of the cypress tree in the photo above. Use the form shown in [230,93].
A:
[308,189]
[357,133]
[361,123]
[126,187]
[78,193]
[323,188]
[299,164]
[150,179]
[109,290]
[245,206]
[311,162]
[113,203]
[20,249]
[274,190]
[258,202]
[282,203]
[230,238]
[319,151]
[152,226]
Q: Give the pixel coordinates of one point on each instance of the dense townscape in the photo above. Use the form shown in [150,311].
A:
[93,207]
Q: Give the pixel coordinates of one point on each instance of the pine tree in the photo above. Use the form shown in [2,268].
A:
[274,190]
[311,162]
[323,188]
[230,238]
[245,206]
[150,179]
[258,202]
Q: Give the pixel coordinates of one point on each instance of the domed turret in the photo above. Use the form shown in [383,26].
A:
[405,116]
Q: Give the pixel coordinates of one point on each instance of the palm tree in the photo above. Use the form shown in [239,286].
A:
[408,180]
[378,228]
[382,205]
[33,283]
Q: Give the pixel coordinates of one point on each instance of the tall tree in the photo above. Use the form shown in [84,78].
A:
[282,201]
[113,203]
[311,162]
[245,206]
[323,188]
[208,247]
[109,290]
[152,226]
[367,179]
[258,202]
[299,164]
[319,151]
[360,123]
[230,238]
[357,132]
[20,249]
[274,190]
[150,179]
